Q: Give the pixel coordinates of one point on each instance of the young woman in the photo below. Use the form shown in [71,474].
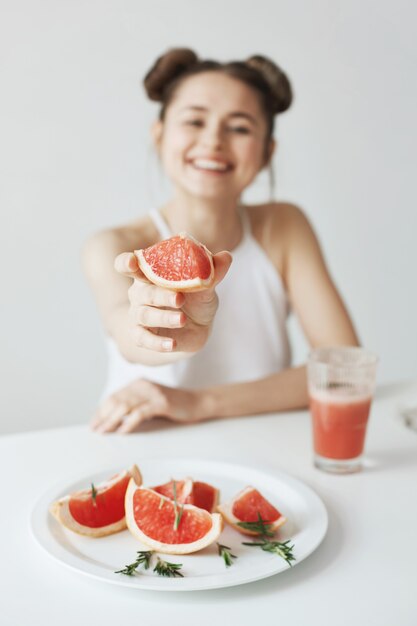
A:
[223,351]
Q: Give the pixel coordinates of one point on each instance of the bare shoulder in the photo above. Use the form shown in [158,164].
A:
[280,228]
[278,217]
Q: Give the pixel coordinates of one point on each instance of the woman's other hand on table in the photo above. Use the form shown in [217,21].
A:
[140,401]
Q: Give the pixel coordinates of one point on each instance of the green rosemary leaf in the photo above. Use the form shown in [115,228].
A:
[282,549]
[224,551]
[93,494]
[144,559]
[261,527]
[171,570]
[178,511]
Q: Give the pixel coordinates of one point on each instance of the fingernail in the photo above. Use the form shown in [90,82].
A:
[167,344]
[176,319]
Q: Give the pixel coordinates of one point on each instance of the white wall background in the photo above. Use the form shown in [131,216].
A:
[76,157]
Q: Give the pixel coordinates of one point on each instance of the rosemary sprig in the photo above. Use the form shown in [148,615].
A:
[143,558]
[171,570]
[178,511]
[224,551]
[260,527]
[282,549]
[94,494]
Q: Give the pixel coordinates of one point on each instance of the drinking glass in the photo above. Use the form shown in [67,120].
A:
[341,383]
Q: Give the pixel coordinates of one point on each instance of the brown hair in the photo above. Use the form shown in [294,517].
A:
[260,73]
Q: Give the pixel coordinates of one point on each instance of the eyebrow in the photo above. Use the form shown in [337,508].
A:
[243,114]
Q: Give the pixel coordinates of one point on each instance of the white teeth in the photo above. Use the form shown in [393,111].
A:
[206,164]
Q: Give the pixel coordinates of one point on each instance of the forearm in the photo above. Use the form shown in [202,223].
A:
[283,391]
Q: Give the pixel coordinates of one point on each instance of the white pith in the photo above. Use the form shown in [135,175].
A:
[168,548]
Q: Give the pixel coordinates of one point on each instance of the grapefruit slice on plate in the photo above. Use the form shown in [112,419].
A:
[98,511]
[247,506]
[180,263]
[200,494]
[204,496]
[165,526]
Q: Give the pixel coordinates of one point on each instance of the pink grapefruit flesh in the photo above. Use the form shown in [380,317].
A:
[180,263]
[200,494]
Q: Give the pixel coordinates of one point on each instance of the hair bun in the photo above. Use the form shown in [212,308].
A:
[165,69]
[277,80]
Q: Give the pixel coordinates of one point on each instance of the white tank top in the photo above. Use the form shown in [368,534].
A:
[249,336]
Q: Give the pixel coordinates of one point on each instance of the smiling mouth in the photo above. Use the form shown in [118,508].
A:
[210,165]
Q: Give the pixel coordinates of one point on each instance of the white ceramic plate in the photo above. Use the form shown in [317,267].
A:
[100,558]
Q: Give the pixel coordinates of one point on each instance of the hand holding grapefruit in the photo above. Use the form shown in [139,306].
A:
[172,298]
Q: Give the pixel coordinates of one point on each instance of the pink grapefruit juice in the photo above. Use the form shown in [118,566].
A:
[339,424]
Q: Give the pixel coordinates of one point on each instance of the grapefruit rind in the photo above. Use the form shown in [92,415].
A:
[186,285]
[170,548]
[61,511]
[226,511]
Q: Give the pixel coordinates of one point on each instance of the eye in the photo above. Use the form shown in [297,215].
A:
[241,130]
[195,122]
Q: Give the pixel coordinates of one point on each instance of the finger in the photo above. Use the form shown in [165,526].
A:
[160,297]
[127,264]
[222,262]
[135,418]
[112,420]
[153,317]
[144,338]
[103,411]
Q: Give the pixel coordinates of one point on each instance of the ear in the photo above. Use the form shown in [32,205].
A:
[269,152]
[156,132]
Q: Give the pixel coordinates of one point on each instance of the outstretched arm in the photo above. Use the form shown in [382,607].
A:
[322,315]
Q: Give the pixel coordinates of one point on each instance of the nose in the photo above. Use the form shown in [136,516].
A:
[212,137]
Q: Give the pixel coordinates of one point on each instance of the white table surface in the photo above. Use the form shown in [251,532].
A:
[364,572]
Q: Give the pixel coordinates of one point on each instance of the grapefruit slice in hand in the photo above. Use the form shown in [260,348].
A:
[180,263]
[165,526]
[247,506]
[200,494]
[98,511]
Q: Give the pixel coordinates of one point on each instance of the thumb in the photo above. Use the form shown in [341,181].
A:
[222,262]
[127,264]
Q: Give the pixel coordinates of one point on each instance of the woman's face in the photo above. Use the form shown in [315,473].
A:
[212,140]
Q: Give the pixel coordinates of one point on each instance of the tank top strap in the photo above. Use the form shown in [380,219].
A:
[245,221]
[160,224]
